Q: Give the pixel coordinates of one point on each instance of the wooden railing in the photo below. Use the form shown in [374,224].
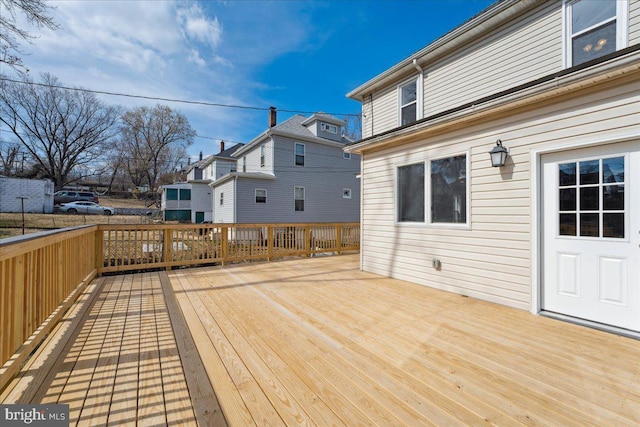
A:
[136,247]
[41,275]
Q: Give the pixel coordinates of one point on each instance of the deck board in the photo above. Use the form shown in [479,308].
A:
[318,342]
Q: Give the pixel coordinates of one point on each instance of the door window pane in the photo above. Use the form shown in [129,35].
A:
[613,225]
[589,199]
[568,224]
[613,170]
[613,197]
[568,199]
[590,225]
[567,174]
[589,172]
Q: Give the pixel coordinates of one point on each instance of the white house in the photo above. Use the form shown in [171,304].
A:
[293,172]
[556,229]
[35,195]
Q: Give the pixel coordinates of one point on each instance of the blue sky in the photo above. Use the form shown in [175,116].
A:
[294,55]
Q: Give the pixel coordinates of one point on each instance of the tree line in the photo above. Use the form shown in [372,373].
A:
[70,136]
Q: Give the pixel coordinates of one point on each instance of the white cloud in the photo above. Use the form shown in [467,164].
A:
[199,27]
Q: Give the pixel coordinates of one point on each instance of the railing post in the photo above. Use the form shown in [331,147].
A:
[99,250]
[224,236]
[167,246]
[338,239]
[307,240]
[270,236]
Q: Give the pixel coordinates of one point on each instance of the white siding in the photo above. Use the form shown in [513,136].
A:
[491,260]
[38,194]
[518,52]
[634,22]
[224,213]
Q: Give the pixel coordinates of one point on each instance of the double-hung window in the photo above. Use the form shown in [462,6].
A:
[262,155]
[409,99]
[448,190]
[298,196]
[594,29]
[299,154]
[261,195]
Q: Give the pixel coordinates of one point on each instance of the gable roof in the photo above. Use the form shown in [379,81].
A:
[294,128]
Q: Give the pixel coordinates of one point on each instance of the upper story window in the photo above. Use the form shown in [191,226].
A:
[594,29]
[299,160]
[244,164]
[262,155]
[178,194]
[408,96]
[328,128]
[221,199]
[346,155]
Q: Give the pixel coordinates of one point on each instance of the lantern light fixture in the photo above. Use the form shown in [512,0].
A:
[498,154]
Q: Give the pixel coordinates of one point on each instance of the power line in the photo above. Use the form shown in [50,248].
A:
[182,101]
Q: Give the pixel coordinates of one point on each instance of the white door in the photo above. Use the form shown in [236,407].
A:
[591,234]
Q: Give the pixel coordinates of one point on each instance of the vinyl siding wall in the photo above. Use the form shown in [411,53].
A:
[492,260]
[324,176]
[253,159]
[225,212]
[513,54]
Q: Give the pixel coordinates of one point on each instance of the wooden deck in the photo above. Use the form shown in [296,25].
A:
[318,342]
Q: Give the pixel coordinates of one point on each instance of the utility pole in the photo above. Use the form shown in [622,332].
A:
[22,205]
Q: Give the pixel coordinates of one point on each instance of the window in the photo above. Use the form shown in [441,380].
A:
[221,199]
[177,215]
[591,198]
[244,164]
[328,128]
[346,193]
[411,193]
[449,190]
[185,194]
[172,194]
[346,155]
[594,29]
[408,94]
[261,195]
[298,196]
[262,155]
[299,161]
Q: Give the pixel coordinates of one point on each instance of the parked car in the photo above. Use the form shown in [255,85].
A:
[66,196]
[88,208]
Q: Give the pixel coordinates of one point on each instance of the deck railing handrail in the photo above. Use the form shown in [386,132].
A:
[42,274]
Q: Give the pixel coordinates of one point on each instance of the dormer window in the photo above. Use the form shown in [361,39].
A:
[594,29]
[409,99]
[325,127]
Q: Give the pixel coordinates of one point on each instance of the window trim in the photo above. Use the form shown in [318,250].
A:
[256,196]
[396,216]
[295,154]
[419,95]
[304,196]
[622,28]
[427,176]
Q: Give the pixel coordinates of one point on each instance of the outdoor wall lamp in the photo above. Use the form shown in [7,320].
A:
[498,155]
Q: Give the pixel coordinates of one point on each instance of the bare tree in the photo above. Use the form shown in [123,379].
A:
[37,14]
[64,131]
[9,159]
[353,129]
[154,141]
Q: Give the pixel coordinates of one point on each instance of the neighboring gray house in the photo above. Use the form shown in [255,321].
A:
[291,173]
[555,229]
[37,193]
[191,201]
